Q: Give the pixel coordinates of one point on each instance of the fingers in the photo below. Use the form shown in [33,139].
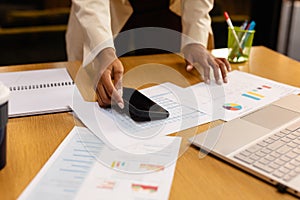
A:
[197,53]
[103,98]
[206,69]
[228,67]
[188,63]
[225,63]
[117,90]
[118,71]
[219,65]
[107,93]
[224,66]
[107,89]
[216,69]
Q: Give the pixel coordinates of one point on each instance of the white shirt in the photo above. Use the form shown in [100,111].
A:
[94,23]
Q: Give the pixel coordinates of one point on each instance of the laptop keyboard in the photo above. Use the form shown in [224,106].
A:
[278,154]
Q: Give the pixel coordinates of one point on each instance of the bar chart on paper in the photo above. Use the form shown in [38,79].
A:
[75,170]
[62,176]
[259,92]
[242,94]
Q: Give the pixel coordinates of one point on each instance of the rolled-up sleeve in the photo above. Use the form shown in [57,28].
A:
[93,21]
[196,21]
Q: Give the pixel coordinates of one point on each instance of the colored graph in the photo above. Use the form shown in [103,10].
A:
[109,185]
[117,164]
[144,188]
[254,94]
[266,86]
[152,167]
[232,106]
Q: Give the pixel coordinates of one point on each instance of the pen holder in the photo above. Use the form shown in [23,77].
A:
[239,51]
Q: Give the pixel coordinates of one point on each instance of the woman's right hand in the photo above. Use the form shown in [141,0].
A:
[109,84]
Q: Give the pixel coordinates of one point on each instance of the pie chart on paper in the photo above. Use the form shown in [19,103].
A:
[232,106]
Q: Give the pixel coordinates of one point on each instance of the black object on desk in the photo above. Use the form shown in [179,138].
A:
[141,108]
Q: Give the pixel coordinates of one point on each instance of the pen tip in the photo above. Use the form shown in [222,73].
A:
[226,15]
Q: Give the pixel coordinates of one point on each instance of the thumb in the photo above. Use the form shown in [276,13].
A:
[188,63]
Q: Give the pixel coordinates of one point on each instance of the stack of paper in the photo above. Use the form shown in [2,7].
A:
[118,158]
[84,168]
[38,91]
[244,93]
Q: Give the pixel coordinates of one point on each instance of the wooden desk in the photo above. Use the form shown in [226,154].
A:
[32,140]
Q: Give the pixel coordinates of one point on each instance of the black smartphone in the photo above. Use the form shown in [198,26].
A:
[141,108]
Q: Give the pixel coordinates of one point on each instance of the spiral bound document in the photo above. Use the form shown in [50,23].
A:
[38,91]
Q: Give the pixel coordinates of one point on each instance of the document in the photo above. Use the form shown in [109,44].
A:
[38,91]
[242,94]
[117,130]
[82,167]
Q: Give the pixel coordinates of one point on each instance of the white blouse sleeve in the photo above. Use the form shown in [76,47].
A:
[196,21]
[94,19]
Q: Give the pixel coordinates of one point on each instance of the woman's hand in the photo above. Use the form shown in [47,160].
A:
[196,53]
[109,84]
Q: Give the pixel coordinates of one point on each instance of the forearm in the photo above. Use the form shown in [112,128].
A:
[196,22]
[95,22]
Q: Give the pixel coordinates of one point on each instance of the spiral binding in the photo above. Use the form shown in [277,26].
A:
[41,86]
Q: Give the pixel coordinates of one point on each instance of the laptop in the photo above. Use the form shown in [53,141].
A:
[265,143]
